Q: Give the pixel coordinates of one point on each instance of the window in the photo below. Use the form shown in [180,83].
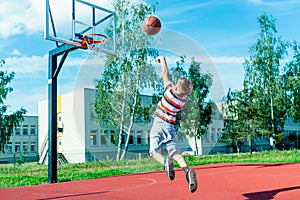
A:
[123,138]
[139,137]
[93,140]
[8,148]
[25,146]
[130,139]
[17,131]
[103,139]
[17,147]
[112,137]
[32,130]
[207,136]
[92,113]
[25,129]
[32,146]
[148,138]
[212,138]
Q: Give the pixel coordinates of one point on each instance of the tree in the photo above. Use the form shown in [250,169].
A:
[7,121]
[197,113]
[292,83]
[263,75]
[195,116]
[259,108]
[127,74]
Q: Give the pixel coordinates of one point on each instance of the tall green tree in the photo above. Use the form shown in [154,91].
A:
[127,74]
[263,75]
[292,83]
[197,112]
[260,107]
[232,133]
[8,120]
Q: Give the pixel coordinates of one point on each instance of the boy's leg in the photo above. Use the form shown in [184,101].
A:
[169,168]
[190,173]
[181,161]
[159,158]
[156,141]
[192,180]
[167,163]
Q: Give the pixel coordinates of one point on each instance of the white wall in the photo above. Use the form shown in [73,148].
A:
[43,123]
[73,138]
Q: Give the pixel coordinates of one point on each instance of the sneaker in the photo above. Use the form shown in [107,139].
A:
[192,180]
[169,168]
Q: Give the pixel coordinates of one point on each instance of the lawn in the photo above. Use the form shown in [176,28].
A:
[33,174]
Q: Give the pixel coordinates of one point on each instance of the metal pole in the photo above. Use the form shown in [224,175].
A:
[52,119]
[53,71]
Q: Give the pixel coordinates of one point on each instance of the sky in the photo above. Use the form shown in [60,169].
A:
[223,30]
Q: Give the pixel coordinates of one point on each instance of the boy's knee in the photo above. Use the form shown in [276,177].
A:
[176,156]
[151,154]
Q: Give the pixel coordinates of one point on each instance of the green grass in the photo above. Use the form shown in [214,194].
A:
[34,174]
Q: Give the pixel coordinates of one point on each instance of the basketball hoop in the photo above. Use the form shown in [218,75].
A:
[93,42]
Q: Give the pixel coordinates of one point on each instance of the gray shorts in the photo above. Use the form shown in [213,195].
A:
[163,133]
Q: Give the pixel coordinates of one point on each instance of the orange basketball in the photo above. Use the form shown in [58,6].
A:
[152,25]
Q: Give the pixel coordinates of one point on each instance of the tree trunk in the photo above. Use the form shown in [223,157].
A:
[130,126]
[196,145]
[121,124]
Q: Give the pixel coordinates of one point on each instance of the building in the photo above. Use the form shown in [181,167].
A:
[23,143]
[80,139]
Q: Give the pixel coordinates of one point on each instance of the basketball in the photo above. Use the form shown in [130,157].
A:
[152,25]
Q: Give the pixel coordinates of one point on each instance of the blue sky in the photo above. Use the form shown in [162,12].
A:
[225,29]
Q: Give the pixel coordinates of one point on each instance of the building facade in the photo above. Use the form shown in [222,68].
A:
[81,139]
[23,143]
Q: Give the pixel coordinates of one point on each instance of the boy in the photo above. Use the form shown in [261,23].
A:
[163,130]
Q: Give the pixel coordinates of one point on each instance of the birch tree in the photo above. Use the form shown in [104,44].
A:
[127,74]
[263,75]
[260,107]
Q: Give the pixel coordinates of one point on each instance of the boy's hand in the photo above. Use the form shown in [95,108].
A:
[164,69]
[161,59]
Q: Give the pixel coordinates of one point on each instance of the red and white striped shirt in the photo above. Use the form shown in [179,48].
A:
[169,105]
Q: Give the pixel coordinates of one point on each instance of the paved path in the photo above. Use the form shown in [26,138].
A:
[216,182]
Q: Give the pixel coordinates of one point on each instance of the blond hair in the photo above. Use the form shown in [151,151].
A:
[184,86]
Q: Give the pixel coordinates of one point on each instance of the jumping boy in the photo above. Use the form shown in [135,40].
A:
[163,129]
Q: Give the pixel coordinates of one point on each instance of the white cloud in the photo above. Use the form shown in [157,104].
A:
[27,66]
[255,1]
[15,52]
[27,16]
[225,60]
[286,5]
[37,66]
[188,7]
[19,17]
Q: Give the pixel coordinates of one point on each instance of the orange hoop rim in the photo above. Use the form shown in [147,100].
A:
[88,39]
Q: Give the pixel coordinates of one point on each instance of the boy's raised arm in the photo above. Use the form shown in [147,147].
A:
[164,69]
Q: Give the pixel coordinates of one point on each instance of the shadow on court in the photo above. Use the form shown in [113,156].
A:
[265,195]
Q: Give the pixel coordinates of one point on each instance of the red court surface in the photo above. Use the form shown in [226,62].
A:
[216,182]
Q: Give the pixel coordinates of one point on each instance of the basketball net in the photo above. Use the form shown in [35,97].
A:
[93,43]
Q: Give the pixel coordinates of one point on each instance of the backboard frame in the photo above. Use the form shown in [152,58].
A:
[50,29]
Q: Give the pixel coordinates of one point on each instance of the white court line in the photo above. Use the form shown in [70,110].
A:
[227,172]
[153,181]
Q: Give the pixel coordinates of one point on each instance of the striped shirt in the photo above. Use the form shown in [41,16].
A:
[169,105]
